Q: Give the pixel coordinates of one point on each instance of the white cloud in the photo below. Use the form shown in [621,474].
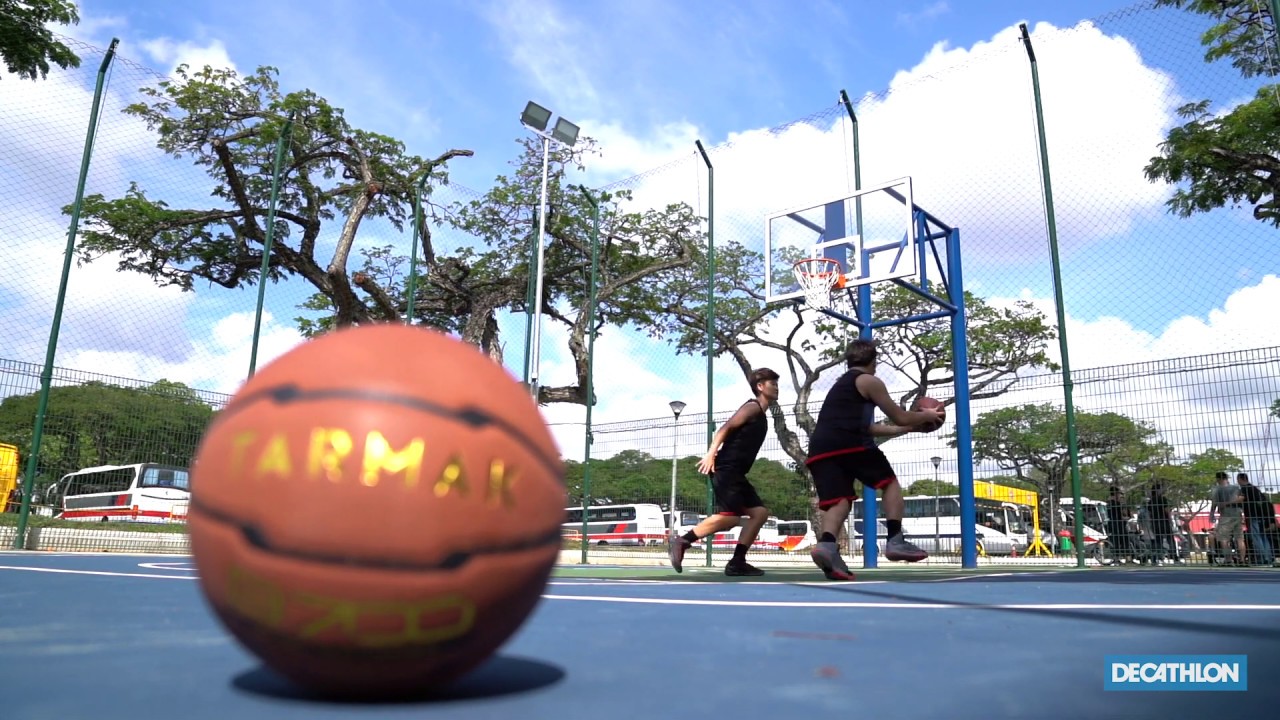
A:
[171,53]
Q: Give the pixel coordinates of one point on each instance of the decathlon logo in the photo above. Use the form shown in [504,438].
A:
[1222,673]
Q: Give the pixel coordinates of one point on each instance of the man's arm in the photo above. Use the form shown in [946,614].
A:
[889,431]
[708,463]
[873,389]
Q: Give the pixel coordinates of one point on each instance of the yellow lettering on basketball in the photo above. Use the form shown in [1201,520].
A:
[275,458]
[255,597]
[500,482]
[398,623]
[239,445]
[379,457]
[329,447]
[452,477]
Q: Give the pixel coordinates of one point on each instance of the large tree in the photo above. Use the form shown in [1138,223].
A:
[27,46]
[807,345]
[334,178]
[1031,441]
[1234,157]
[463,288]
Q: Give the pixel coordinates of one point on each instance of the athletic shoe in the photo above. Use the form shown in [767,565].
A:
[827,557]
[899,549]
[740,568]
[675,551]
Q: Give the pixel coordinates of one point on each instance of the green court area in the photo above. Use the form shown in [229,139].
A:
[798,574]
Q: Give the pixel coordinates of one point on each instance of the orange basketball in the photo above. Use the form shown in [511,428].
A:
[928,403]
[377,511]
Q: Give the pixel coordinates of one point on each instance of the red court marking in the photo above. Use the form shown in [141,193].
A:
[828,671]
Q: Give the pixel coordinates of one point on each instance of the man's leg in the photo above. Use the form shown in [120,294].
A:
[1261,542]
[709,526]
[737,565]
[897,547]
[834,484]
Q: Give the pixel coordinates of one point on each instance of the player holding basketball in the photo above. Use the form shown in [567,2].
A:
[732,453]
[843,449]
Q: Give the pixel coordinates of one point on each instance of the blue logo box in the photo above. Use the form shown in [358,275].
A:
[1162,673]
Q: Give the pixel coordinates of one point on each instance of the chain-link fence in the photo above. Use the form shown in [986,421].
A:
[1171,347]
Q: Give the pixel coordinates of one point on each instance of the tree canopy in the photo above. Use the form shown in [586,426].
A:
[1228,158]
[100,424]
[27,46]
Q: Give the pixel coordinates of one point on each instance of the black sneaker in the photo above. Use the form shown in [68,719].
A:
[741,569]
[675,551]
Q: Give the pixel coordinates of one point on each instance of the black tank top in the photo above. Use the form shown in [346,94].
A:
[844,422]
[739,450]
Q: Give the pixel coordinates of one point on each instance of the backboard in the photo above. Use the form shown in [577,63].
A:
[871,233]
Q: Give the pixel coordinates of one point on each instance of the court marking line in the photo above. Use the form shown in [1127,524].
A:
[175,566]
[907,605]
[717,583]
[67,571]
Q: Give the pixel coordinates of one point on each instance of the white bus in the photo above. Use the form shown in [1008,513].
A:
[796,535]
[144,492]
[636,524]
[933,524]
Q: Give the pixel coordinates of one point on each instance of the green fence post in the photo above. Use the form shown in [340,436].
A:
[591,347]
[285,136]
[1073,453]
[711,322]
[46,376]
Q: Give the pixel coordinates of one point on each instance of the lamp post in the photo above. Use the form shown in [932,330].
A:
[676,408]
[536,118]
[937,488]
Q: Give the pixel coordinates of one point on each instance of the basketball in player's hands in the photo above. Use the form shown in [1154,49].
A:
[928,403]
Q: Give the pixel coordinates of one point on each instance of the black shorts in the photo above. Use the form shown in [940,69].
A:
[734,492]
[834,474]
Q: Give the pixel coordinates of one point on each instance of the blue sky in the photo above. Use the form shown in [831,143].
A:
[942,89]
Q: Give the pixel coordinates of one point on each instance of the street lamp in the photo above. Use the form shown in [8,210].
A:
[937,535]
[676,408]
[536,118]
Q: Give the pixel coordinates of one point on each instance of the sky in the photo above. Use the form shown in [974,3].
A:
[942,92]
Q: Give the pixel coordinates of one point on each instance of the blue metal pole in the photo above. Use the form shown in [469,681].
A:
[964,434]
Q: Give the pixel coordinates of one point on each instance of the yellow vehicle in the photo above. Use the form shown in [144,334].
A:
[8,474]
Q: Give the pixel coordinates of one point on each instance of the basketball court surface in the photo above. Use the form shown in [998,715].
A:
[116,637]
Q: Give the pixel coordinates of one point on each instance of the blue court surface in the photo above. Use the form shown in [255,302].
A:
[124,637]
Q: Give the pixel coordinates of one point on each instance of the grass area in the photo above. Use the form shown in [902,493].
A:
[44,521]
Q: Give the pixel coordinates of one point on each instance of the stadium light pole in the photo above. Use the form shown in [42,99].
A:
[676,408]
[536,118]
[937,488]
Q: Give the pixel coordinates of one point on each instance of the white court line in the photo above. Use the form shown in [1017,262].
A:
[177,566]
[906,605]
[64,571]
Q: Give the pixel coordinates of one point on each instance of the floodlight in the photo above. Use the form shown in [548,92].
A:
[565,132]
[536,116]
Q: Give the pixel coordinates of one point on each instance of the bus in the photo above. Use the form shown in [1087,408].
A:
[634,524]
[143,492]
[796,535]
[933,523]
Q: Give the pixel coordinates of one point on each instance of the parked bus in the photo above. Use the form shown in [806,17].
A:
[635,524]
[144,492]
[796,535]
[933,523]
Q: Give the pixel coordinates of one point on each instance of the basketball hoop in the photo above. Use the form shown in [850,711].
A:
[817,277]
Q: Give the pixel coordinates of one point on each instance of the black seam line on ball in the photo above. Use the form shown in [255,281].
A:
[470,416]
[454,560]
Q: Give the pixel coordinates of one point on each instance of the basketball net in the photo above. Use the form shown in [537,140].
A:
[817,277]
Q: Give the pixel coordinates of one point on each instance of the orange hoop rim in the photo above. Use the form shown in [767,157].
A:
[808,268]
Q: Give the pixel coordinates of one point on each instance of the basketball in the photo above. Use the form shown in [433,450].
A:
[927,403]
[377,511]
